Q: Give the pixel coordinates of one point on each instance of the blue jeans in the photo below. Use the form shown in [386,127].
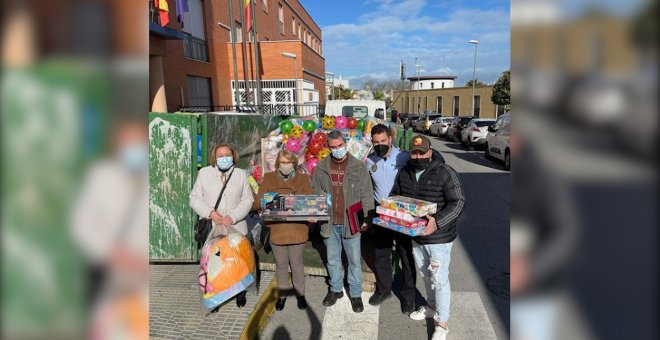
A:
[432,261]
[334,245]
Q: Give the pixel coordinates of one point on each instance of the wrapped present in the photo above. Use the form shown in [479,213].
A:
[399,228]
[412,206]
[359,148]
[295,207]
[227,268]
[417,222]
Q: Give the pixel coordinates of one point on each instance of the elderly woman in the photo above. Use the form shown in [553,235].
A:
[287,239]
[236,200]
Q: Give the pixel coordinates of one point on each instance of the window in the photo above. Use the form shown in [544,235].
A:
[443,84]
[281,17]
[456,105]
[438,104]
[194,44]
[477,105]
[426,103]
[421,85]
[293,26]
[432,85]
[199,91]
[194,48]
[264,5]
[354,111]
[299,31]
[238,31]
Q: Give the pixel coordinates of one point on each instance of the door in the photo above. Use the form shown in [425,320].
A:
[172,171]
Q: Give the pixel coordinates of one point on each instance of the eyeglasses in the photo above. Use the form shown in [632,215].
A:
[287,162]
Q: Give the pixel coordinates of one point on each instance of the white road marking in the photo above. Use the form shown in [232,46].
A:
[340,322]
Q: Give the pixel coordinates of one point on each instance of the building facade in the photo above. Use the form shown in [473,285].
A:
[431,82]
[193,65]
[448,101]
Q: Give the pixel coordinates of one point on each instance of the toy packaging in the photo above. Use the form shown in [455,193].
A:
[403,216]
[418,222]
[412,206]
[359,148]
[399,228]
[295,207]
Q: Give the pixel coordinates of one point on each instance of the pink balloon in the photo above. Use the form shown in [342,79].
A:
[311,164]
[293,145]
[341,122]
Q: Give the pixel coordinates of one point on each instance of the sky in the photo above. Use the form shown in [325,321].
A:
[368,38]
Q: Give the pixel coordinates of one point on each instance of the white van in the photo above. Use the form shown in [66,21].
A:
[356,108]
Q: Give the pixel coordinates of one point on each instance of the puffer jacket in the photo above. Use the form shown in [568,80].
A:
[357,187]
[438,184]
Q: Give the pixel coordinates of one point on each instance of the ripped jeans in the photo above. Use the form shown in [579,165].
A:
[432,261]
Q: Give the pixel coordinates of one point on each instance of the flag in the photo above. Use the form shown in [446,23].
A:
[181,7]
[248,16]
[164,11]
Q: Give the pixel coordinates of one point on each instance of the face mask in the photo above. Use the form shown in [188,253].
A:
[338,153]
[381,150]
[224,163]
[286,169]
[134,157]
[420,163]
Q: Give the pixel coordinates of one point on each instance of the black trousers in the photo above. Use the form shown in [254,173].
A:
[383,263]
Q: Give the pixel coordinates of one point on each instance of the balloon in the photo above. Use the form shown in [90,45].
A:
[311,164]
[314,147]
[320,137]
[369,125]
[324,153]
[340,122]
[352,123]
[286,127]
[328,122]
[293,145]
[360,124]
[296,132]
[309,125]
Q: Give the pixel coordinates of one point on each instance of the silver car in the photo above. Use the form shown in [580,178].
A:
[440,126]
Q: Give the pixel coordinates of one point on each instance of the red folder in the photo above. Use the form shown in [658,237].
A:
[355,217]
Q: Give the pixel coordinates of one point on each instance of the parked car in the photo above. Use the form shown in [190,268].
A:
[410,122]
[475,132]
[439,126]
[454,129]
[423,123]
[497,140]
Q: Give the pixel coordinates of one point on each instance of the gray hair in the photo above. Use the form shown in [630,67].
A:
[334,135]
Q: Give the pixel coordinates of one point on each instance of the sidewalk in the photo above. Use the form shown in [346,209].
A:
[175,310]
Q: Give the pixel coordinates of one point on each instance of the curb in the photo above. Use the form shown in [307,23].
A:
[262,311]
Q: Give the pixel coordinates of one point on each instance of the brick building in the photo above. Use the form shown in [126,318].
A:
[193,65]
[448,101]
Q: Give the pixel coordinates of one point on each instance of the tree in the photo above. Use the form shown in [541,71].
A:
[502,90]
[379,95]
[469,83]
[342,93]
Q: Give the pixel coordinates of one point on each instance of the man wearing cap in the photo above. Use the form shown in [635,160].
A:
[427,178]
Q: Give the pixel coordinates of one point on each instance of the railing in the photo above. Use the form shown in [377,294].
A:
[194,48]
[266,109]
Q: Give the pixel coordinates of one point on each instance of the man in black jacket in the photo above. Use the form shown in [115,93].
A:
[427,178]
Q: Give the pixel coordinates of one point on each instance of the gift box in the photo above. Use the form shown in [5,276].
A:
[418,222]
[295,207]
[399,228]
[412,206]
[404,216]
[359,148]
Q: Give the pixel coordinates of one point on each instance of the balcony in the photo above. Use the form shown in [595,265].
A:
[194,48]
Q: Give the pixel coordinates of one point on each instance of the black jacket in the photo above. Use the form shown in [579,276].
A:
[439,184]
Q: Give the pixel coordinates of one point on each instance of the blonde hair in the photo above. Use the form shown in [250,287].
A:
[288,155]
[213,158]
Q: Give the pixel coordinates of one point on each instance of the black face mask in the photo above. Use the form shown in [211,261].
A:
[420,163]
[381,150]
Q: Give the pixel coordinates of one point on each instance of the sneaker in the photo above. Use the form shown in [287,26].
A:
[440,333]
[423,312]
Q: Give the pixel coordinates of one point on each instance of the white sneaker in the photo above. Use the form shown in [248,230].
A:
[423,312]
[440,333]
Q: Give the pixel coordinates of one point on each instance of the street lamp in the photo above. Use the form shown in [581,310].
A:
[295,76]
[417,68]
[474,68]
[333,84]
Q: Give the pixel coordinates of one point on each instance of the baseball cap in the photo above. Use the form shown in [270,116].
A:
[420,143]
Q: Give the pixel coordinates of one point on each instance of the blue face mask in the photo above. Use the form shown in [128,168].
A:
[339,153]
[224,163]
[134,157]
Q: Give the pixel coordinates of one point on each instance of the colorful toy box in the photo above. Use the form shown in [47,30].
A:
[359,148]
[399,228]
[418,222]
[403,216]
[412,206]
[295,207]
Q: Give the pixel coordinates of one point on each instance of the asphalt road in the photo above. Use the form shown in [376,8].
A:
[479,273]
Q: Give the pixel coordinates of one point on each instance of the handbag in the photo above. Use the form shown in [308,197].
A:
[204,225]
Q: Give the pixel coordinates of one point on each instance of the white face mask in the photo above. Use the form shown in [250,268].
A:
[286,169]
[224,163]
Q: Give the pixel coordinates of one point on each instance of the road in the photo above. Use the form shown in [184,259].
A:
[478,273]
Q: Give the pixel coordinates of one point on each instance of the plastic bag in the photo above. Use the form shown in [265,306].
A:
[228,266]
